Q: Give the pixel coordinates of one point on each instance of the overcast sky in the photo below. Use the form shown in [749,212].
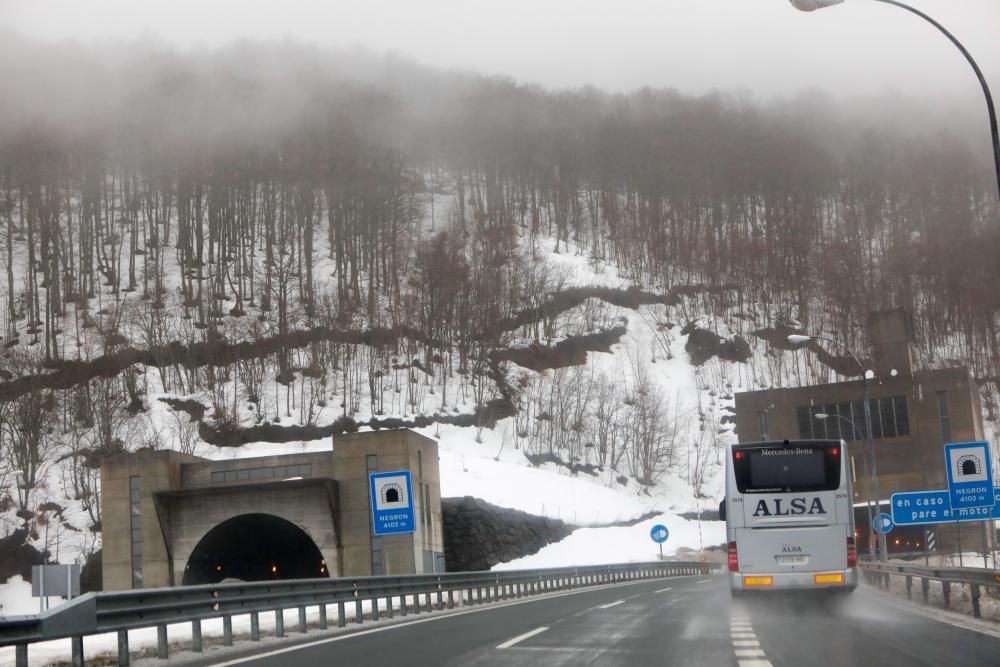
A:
[761,46]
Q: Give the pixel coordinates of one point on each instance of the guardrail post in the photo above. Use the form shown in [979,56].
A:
[388,606]
[254,626]
[122,648]
[21,655]
[341,615]
[76,651]
[440,599]
[375,608]
[279,623]
[359,612]
[909,587]
[302,619]
[196,635]
[322,616]
[430,605]
[946,589]
[227,630]
[975,599]
[451,599]
[925,586]
[402,604]
[162,649]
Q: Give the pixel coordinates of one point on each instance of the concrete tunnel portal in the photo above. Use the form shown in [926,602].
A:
[254,547]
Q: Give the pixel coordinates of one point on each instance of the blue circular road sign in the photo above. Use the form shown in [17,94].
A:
[659,533]
[883,523]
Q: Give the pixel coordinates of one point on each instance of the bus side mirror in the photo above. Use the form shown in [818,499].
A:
[722,510]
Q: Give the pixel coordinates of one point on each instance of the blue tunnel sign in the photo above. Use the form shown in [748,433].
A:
[392,502]
[970,478]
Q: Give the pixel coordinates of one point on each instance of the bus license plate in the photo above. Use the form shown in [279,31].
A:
[792,560]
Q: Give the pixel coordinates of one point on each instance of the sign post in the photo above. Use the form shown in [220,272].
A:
[659,534]
[970,495]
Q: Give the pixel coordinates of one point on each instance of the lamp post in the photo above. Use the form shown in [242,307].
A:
[796,339]
[812,5]
[854,429]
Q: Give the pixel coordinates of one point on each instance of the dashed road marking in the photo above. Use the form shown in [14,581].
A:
[749,653]
[704,581]
[664,590]
[611,604]
[520,638]
[746,648]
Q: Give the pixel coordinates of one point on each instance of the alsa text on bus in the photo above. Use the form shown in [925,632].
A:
[795,506]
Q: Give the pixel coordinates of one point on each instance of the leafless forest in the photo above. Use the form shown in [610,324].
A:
[261,213]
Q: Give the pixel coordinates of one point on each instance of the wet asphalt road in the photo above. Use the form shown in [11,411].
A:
[690,621]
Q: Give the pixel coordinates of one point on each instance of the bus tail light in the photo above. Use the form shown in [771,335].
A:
[852,553]
[734,563]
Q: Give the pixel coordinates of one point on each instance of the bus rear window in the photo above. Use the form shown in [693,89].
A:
[791,468]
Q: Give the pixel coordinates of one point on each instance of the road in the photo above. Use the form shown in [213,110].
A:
[689,622]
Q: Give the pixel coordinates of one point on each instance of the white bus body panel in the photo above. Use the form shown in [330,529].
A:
[790,537]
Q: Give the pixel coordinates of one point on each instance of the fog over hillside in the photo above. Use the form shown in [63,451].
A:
[246,249]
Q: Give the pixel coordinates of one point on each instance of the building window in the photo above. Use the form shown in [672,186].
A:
[944,416]
[254,474]
[762,424]
[427,508]
[135,526]
[890,418]
[902,415]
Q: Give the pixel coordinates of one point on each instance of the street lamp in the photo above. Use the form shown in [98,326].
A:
[798,339]
[854,429]
[812,5]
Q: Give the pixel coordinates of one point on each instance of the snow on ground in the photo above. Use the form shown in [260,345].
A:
[15,598]
[597,546]
[57,651]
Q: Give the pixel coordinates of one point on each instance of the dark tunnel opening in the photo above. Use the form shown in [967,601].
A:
[254,547]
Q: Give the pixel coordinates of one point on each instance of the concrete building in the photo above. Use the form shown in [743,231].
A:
[914,413]
[171,519]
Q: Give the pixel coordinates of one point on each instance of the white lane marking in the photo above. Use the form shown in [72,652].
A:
[610,604]
[704,581]
[749,653]
[521,638]
[746,648]
[664,590]
[430,619]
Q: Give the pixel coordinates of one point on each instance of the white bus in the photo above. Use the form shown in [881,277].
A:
[789,517]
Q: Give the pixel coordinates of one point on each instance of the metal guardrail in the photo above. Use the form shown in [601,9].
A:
[96,613]
[975,578]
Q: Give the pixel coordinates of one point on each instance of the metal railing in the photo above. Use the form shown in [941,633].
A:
[97,613]
[977,579]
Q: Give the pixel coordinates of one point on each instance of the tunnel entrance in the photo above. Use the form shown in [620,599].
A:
[254,547]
